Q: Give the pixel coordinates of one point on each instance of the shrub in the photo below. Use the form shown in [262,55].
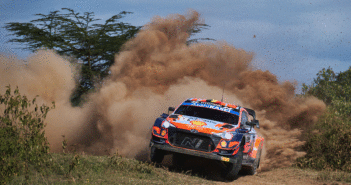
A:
[328,143]
[22,137]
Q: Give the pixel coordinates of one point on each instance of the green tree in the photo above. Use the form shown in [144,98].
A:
[324,85]
[334,89]
[94,44]
[22,135]
[82,36]
[328,141]
[198,28]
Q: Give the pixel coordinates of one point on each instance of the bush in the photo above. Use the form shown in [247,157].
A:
[328,143]
[22,137]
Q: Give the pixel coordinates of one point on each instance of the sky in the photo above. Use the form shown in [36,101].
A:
[293,39]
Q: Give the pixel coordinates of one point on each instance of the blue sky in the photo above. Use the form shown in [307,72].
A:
[294,39]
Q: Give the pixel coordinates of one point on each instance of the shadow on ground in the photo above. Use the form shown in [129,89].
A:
[200,167]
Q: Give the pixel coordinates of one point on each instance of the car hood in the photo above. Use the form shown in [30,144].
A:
[199,124]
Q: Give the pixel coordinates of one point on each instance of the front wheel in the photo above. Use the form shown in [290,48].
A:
[156,155]
[232,169]
[252,170]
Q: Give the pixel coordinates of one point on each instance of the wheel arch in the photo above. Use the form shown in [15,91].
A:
[240,138]
[159,121]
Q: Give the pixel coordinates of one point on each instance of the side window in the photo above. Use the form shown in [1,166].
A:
[244,118]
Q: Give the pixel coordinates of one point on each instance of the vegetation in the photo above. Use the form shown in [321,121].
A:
[24,156]
[80,36]
[24,147]
[83,39]
[23,141]
[84,169]
[119,170]
[328,143]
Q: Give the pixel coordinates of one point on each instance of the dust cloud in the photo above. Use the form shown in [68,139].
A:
[52,78]
[155,70]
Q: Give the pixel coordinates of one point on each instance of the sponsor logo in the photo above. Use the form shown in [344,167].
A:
[211,106]
[198,123]
[225,159]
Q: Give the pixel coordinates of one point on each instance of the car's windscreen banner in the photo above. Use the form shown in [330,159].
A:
[212,106]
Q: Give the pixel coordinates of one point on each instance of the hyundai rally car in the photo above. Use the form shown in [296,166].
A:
[209,129]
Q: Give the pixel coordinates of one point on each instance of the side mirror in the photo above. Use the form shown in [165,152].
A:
[253,123]
[170,109]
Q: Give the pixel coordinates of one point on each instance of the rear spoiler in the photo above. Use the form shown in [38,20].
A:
[251,113]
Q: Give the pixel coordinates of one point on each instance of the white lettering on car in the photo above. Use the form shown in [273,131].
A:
[212,107]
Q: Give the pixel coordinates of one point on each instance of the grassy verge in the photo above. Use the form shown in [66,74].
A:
[331,176]
[85,169]
[296,175]
[338,176]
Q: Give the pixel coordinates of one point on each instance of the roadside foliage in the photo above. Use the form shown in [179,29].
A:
[22,136]
[328,142]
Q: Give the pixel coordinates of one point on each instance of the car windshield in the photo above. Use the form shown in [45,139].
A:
[207,113]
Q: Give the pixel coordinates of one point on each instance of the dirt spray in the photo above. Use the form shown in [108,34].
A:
[155,70]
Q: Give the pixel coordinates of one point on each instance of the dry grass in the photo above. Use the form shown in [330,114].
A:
[85,169]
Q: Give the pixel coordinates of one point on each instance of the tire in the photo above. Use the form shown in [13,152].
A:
[156,155]
[253,170]
[232,169]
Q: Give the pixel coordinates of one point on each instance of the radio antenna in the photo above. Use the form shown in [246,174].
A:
[223,91]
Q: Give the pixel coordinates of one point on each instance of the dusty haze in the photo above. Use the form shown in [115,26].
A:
[155,70]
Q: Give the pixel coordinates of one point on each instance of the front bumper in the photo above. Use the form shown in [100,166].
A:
[213,156]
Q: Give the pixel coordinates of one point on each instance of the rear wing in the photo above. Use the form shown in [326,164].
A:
[251,113]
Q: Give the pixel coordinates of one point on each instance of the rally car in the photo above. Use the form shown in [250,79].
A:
[210,129]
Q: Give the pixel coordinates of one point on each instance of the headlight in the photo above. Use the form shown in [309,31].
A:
[167,124]
[225,135]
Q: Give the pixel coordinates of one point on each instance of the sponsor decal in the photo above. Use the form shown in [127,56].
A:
[223,144]
[212,106]
[225,159]
[198,123]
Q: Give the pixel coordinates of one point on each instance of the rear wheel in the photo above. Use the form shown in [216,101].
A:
[156,155]
[232,169]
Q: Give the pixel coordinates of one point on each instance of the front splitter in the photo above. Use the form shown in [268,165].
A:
[212,156]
